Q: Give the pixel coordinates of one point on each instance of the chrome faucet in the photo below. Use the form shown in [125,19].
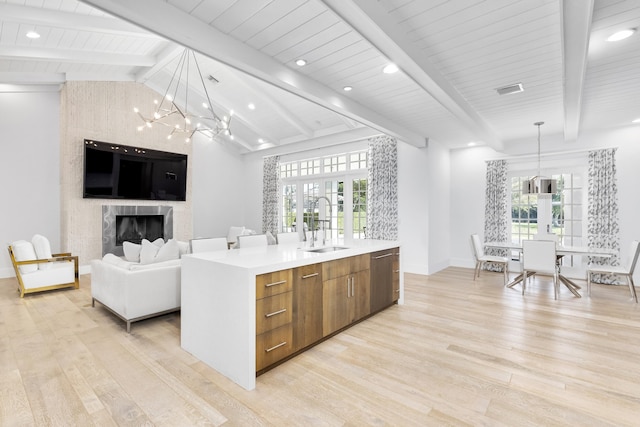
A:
[313,208]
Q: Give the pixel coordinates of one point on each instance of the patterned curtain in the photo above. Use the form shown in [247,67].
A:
[270,194]
[382,192]
[496,218]
[602,215]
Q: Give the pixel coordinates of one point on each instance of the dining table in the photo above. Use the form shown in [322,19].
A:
[560,251]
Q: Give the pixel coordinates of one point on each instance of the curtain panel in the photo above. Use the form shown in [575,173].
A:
[382,192]
[270,194]
[496,217]
[602,214]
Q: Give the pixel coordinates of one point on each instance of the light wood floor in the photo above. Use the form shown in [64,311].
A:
[458,352]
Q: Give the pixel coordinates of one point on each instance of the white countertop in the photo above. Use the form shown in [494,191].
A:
[279,257]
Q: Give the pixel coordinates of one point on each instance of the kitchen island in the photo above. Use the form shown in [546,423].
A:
[246,310]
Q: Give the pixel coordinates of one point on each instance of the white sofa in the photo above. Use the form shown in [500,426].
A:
[135,291]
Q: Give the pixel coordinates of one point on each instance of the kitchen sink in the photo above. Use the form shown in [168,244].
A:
[326,249]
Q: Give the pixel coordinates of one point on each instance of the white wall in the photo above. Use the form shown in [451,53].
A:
[439,198]
[29,170]
[468,170]
[218,189]
[413,207]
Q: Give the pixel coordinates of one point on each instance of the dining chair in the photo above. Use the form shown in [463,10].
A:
[539,257]
[481,259]
[292,237]
[625,271]
[208,244]
[252,240]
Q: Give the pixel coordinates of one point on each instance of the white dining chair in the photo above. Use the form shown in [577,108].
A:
[208,244]
[539,257]
[481,259]
[252,240]
[618,270]
[234,232]
[292,237]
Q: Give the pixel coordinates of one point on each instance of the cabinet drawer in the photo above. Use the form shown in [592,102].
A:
[273,346]
[273,312]
[344,266]
[274,283]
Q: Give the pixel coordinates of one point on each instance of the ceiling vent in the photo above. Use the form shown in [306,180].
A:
[506,90]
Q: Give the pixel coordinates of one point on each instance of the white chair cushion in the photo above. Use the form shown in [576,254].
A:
[168,251]
[234,232]
[148,252]
[131,251]
[43,250]
[24,251]
[59,273]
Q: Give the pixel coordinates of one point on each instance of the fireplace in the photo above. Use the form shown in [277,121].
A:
[134,223]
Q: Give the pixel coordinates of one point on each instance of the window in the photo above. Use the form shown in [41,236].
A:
[566,212]
[340,178]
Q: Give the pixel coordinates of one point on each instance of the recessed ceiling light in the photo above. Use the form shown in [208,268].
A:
[251,106]
[260,140]
[621,35]
[636,120]
[347,88]
[390,68]
[33,35]
[471,144]
[301,62]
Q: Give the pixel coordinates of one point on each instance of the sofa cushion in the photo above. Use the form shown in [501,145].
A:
[148,252]
[117,261]
[43,250]
[131,251]
[168,251]
[24,251]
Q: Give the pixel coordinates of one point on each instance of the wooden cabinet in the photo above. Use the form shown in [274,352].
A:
[274,315]
[307,305]
[382,279]
[345,292]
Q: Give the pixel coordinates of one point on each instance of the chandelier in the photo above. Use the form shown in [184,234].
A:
[182,121]
[539,184]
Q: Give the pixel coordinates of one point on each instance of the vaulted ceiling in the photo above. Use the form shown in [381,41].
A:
[452,56]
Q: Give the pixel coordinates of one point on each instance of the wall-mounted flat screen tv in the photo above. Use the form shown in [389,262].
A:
[113,171]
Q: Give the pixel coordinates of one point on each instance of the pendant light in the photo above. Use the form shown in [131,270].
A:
[538,184]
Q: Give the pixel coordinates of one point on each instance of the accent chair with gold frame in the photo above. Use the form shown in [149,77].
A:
[37,269]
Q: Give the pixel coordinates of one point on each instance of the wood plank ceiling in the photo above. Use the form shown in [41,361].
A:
[452,56]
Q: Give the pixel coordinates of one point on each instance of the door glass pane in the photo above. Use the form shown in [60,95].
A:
[334,190]
[289,208]
[310,192]
[359,208]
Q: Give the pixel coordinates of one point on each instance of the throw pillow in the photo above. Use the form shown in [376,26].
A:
[24,251]
[131,251]
[43,250]
[158,242]
[168,251]
[148,252]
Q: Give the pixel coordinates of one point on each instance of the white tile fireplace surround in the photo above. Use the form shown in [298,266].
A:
[134,223]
